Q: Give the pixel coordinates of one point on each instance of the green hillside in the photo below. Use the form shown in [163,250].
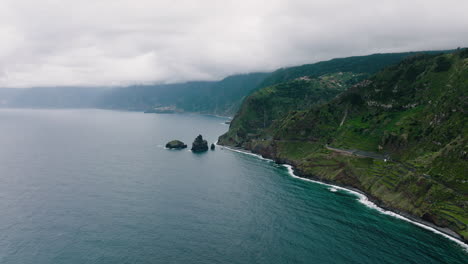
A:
[269,104]
[399,135]
[368,64]
[222,97]
[211,97]
[225,97]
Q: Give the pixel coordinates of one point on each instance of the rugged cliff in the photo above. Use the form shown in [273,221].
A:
[399,135]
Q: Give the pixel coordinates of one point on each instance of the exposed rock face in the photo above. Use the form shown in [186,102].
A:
[176,144]
[212,146]
[199,144]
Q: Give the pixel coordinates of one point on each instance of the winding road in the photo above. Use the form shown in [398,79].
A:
[359,153]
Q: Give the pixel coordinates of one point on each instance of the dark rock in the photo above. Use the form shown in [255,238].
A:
[199,144]
[212,146]
[176,144]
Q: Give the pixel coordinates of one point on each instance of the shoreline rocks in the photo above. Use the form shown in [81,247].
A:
[176,144]
[199,144]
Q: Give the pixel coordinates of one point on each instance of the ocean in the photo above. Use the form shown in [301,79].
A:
[98,186]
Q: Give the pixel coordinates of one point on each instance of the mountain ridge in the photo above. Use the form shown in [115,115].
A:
[413,111]
[221,97]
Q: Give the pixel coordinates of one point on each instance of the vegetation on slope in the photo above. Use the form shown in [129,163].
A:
[216,97]
[270,104]
[368,64]
[413,112]
[225,97]
[219,97]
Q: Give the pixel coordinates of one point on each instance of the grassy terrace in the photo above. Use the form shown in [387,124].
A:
[414,111]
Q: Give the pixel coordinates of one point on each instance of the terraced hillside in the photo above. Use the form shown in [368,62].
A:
[413,114]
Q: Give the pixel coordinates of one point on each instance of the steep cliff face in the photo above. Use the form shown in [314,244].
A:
[207,97]
[270,104]
[400,136]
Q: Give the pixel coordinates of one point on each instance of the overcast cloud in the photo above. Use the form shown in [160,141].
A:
[121,42]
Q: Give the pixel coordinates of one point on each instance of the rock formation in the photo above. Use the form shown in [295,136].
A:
[199,144]
[176,144]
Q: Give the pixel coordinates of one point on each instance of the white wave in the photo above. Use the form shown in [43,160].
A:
[248,153]
[363,200]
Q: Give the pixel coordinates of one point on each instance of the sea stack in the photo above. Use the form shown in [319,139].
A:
[212,146]
[199,144]
[176,144]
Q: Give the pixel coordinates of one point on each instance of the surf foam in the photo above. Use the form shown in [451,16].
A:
[361,198]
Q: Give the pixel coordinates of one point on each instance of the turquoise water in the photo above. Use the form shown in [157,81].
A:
[95,186]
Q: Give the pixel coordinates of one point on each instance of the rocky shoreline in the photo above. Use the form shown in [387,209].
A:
[446,232]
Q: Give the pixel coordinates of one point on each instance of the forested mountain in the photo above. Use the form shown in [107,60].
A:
[215,97]
[368,64]
[224,97]
[399,135]
[391,125]
[209,97]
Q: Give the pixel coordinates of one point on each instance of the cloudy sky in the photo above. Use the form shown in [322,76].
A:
[120,42]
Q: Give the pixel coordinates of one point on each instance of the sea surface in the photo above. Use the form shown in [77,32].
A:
[97,186]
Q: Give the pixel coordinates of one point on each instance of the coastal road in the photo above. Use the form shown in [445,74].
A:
[359,153]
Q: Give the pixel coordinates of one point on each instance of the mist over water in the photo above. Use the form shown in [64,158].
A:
[95,186]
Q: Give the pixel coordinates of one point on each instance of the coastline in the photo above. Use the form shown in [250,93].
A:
[368,201]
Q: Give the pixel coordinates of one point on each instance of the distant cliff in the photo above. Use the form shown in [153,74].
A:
[217,97]
[222,97]
[211,97]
